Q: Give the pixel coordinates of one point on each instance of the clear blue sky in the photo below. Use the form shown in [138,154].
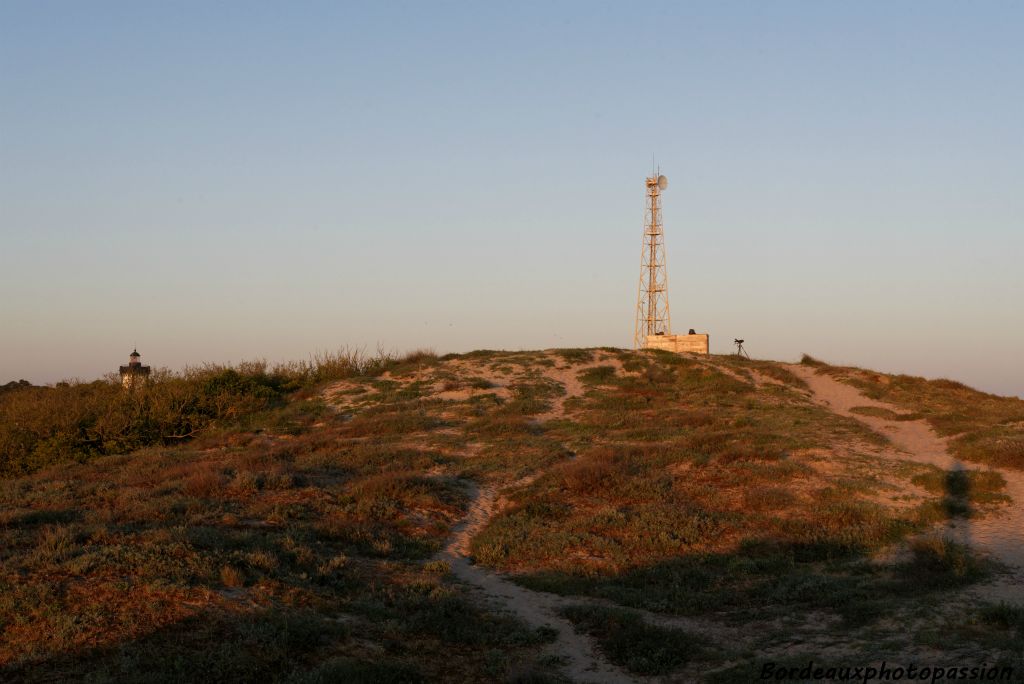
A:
[222,181]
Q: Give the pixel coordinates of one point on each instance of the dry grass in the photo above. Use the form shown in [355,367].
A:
[985,428]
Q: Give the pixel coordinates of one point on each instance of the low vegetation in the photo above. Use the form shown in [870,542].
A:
[630,642]
[984,428]
[282,523]
[76,421]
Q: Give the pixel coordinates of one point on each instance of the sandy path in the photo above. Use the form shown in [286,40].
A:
[1000,534]
[568,377]
[583,662]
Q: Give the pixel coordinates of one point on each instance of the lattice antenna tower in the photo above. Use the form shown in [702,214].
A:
[652,314]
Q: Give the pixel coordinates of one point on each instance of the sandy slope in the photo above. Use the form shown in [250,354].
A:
[1000,534]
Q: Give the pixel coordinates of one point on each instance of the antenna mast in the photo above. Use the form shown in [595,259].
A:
[652,315]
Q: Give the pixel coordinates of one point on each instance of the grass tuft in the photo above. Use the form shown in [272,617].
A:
[629,642]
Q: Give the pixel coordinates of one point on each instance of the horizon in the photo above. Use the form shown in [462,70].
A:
[244,181]
[397,353]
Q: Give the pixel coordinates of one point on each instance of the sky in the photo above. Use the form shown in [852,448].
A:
[215,182]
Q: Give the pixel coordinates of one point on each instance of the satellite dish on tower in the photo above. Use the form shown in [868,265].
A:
[662,182]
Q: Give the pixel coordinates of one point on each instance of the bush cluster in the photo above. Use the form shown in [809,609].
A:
[75,421]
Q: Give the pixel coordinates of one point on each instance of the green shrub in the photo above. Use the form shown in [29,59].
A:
[599,375]
[576,356]
[631,643]
[354,671]
[939,563]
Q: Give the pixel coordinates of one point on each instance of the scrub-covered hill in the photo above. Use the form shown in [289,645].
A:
[583,515]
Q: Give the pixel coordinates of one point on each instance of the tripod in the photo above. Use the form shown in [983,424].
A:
[740,351]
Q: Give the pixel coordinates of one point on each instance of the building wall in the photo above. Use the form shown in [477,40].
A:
[680,344]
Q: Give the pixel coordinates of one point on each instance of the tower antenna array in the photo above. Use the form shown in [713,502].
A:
[652,314]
